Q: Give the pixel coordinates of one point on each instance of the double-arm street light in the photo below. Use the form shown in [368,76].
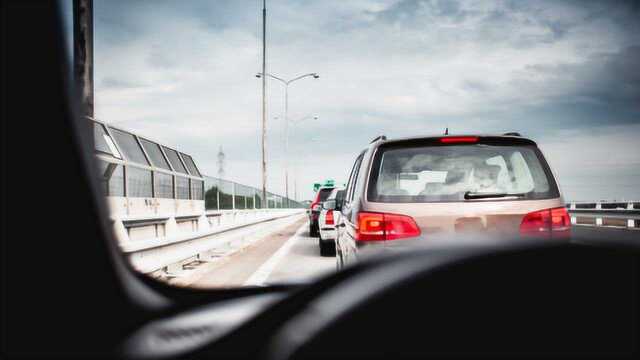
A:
[286,118]
[295,172]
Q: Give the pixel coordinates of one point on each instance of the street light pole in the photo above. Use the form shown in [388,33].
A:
[295,172]
[286,142]
[286,83]
[264,103]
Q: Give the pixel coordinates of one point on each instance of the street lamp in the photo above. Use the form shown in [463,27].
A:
[295,172]
[286,118]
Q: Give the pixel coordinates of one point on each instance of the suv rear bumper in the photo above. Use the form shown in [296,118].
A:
[447,242]
[328,233]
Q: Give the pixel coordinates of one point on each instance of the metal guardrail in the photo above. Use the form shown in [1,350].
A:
[168,253]
[619,214]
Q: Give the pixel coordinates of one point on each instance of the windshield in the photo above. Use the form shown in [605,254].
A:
[221,128]
[447,173]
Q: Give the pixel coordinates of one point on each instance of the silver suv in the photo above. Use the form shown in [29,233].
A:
[448,190]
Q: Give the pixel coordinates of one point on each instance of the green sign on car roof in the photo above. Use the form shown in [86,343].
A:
[327,183]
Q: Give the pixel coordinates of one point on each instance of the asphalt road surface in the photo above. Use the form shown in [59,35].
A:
[593,235]
[286,255]
[283,252]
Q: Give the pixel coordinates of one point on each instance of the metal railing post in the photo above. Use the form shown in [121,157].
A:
[218,196]
[233,196]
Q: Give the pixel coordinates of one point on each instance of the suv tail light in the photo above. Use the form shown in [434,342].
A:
[549,223]
[382,226]
[328,218]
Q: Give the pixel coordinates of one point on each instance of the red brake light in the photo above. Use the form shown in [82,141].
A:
[549,223]
[370,227]
[459,139]
[380,227]
[328,218]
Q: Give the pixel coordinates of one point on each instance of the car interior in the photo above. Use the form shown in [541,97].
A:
[525,300]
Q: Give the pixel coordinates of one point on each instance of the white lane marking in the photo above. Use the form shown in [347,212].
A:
[260,276]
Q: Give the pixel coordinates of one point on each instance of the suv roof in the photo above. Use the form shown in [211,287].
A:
[512,139]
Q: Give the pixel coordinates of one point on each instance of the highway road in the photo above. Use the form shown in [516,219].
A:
[282,251]
[287,254]
[602,235]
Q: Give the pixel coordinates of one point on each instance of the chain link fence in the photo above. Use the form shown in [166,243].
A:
[222,194]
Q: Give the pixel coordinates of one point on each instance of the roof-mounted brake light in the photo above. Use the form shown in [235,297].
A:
[459,139]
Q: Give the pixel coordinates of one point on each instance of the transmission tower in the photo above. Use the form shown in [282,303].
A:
[220,163]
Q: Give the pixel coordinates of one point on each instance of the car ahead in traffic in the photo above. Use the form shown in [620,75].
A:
[448,190]
[315,207]
[329,216]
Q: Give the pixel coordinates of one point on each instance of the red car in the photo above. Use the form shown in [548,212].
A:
[315,207]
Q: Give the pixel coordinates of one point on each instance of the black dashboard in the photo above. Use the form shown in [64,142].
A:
[556,300]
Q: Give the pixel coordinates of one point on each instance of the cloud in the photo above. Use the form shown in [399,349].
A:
[183,73]
[110,82]
[596,165]
[607,79]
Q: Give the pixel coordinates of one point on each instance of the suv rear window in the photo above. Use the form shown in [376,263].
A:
[445,173]
[324,193]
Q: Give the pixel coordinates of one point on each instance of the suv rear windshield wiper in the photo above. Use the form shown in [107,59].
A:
[469,195]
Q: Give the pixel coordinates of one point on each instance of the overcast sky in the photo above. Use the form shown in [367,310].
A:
[565,74]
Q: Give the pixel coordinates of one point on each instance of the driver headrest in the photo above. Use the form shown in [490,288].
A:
[486,171]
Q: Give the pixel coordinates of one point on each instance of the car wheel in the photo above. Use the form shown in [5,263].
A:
[327,248]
